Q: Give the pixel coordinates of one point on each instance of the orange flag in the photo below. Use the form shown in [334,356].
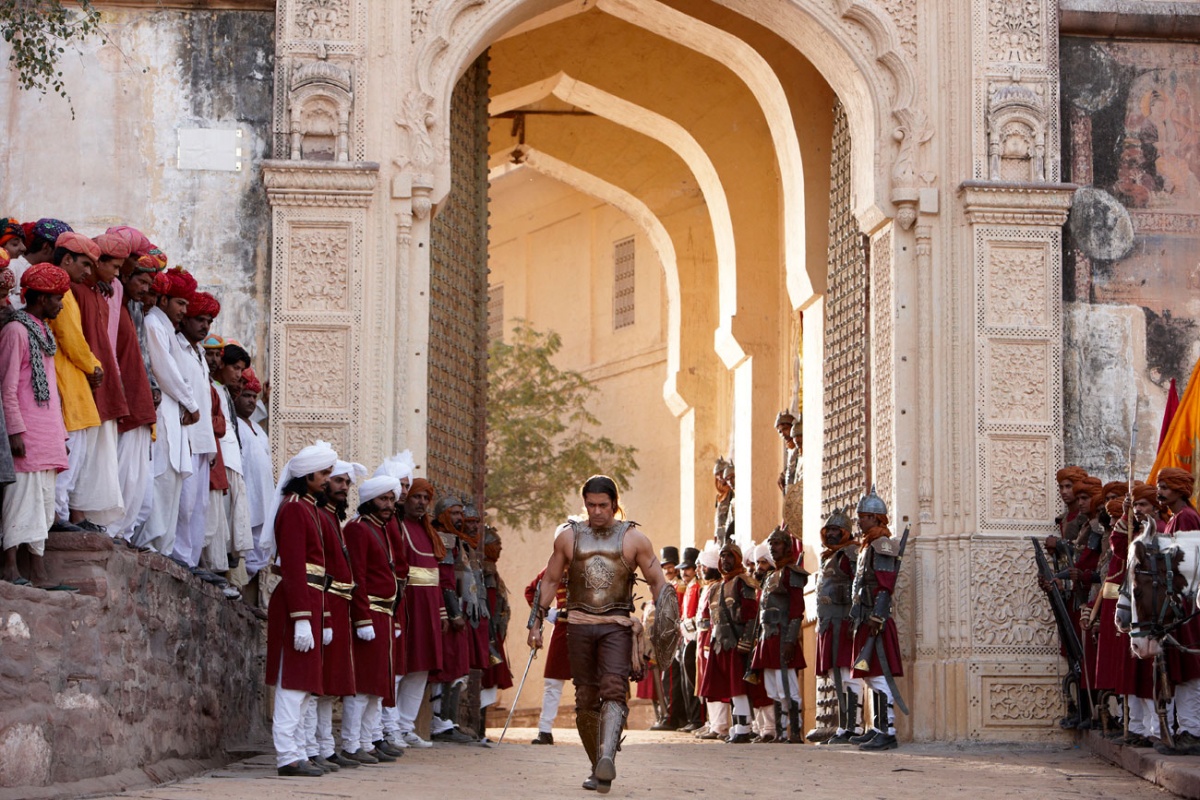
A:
[1181,446]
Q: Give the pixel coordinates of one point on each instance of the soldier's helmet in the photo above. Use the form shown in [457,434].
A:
[872,504]
[780,533]
[470,511]
[443,503]
[839,519]
[783,417]
[798,427]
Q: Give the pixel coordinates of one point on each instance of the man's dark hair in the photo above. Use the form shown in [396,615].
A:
[59,254]
[299,485]
[366,509]
[233,353]
[600,484]
[33,297]
[36,243]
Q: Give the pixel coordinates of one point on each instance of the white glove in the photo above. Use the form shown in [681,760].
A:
[302,638]
[397,632]
[552,616]
[326,636]
[366,633]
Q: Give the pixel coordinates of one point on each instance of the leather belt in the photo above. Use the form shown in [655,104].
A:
[384,605]
[341,589]
[320,582]
[422,576]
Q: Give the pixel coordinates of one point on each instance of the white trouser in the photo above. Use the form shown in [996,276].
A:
[438,723]
[287,726]
[65,482]
[1187,706]
[215,553]
[193,507]
[326,745]
[741,708]
[256,559]
[718,717]
[488,697]
[551,697]
[408,700]
[134,474]
[878,683]
[773,683]
[159,530]
[1143,720]
[764,720]
[360,717]
[389,718]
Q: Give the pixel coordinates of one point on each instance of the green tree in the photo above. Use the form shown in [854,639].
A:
[542,440]
[36,31]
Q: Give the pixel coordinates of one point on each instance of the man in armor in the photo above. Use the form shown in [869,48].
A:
[784,421]
[674,716]
[733,612]
[600,557]
[779,652]
[496,675]
[456,644]
[724,505]
[835,631]
[874,583]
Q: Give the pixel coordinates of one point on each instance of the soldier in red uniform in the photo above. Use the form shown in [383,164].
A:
[424,613]
[400,467]
[874,583]
[733,611]
[717,710]
[1136,674]
[373,602]
[1175,489]
[558,668]
[293,659]
[779,652]
[835,629]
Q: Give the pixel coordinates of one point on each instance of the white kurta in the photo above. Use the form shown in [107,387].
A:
[195,371]
[257,469]
[171,447]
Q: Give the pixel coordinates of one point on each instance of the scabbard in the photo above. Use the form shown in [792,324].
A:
[886,668]
[834,668]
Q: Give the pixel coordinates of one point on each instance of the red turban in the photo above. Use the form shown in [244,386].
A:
[79,244]
[161,283]
[1178,479]
[135,239]
[180,283]
[153,261]
[45,277]
[250,382]
[1073,474]
[112,246]
[4,259]
[201,303]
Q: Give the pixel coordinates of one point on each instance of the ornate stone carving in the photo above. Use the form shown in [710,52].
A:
[1016,130]
[1017,376]
[883,402]
[419,122]
[1012,616]
[925,372]
[1023,703]
[419,21]
[1016,490]
[298,435]
[323,20]
[1017,287]
[291,183]
[320,270]
[1015,31]
[319,104]
[316,368]
[904,15]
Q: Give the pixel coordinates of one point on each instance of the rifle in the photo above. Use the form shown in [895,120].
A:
[1066,630]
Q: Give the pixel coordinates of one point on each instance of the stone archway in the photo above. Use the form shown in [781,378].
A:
[967,459]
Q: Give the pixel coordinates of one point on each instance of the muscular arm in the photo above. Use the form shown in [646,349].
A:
[564,546]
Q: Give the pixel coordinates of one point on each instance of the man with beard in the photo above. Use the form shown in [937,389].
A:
[779,652]
[298,602]
[496,675]
[835,631]
[424,613]
[733,608]
[600,557]
[374,597]
[400,467]
[686,656]
[456,644]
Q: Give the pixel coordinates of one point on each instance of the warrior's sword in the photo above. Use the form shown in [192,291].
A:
[512,708]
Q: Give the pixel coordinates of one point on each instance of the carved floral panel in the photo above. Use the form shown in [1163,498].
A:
[316,368]
[323,20]
[1017,379]
[298,435]
[1016,479]
[1015,31]
[1011,613]
[1036,701]
[1017,287]
[319,261]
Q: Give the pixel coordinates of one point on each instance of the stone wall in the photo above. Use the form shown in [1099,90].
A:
[145,668]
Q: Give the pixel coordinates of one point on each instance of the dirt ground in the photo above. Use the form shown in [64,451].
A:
[666,765]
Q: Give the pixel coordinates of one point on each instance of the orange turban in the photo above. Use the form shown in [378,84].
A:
[423,484]
[153,261]
[136,240]
[45,277]
[1178,479]
[1073,474]
[79,244]
[112,246]
[1115,508]
[203,303]
[1146,492]
[1119,488]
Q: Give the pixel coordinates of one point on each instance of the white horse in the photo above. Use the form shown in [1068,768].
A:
[1160,586]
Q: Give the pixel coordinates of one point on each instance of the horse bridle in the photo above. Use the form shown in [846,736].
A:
[1171,601]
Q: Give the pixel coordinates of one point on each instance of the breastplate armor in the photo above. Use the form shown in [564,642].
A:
[834,595]
[775,602]
[599,579]
[725,610]
[450,542]
[864,586]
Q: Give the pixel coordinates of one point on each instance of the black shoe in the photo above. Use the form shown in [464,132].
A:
[543,737]
[664,725]
[92,527]
[300,769]
[603,787]
[386,748]
[380,756]
[453,735]
[590,783]
[864,737]
[1069,722]
[325,764]
[882,741]
[1136,740]
[68,527]
[342,761]
[361,756]
[837,739]
[739,738]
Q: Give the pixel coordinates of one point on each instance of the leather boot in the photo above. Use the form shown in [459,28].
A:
[612,723]
[739,722]
[883,740]
[870,731]
[847,718]
[450,706]
[778,722]
[795,735]
[588,725]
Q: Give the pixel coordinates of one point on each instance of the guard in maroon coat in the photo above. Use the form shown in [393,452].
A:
[779,652]
[877,569]
[733,609]
[1136,675]
[293,530]
[1175,489]
[558,666]
[835,630]
[496,675]
[424,613]
[448,522]
[372,614]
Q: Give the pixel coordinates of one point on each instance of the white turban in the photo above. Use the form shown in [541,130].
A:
[351,469]
[708,556]
[400,466]
[763,551]
[313,458]
[379,485]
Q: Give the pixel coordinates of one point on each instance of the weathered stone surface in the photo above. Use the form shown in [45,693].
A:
[153,665]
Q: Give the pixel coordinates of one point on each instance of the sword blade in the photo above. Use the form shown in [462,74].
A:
[517,696]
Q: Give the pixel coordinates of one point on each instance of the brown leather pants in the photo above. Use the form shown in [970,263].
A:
[599,656]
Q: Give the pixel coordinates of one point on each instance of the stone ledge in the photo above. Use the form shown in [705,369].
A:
[1156,19]
[171,769]
[1177,774]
